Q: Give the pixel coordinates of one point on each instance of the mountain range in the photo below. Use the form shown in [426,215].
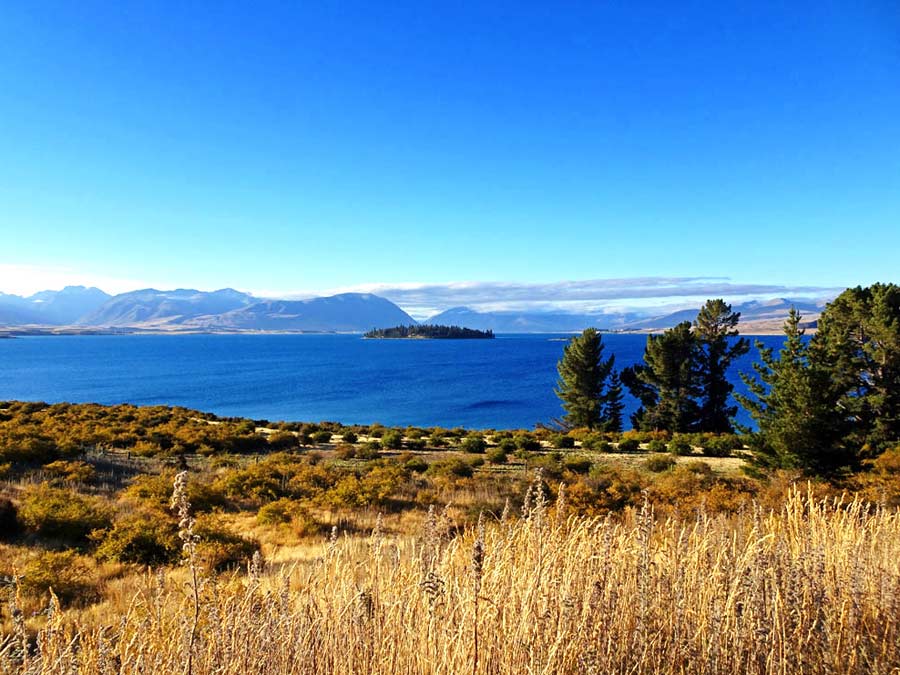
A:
[77,308]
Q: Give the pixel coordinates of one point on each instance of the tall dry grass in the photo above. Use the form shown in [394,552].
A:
[812,588]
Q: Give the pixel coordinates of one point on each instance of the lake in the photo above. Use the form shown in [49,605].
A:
[502,383]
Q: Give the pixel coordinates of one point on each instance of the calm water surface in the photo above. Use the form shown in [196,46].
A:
[503,383]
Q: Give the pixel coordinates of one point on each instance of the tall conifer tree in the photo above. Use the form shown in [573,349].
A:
[795,403]
[719,345]
[583,373]
[667,384]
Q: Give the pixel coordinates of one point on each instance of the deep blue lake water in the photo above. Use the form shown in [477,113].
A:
[503,383]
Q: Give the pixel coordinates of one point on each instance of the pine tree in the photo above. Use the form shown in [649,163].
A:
[667,385]
[582,378]
[795,403]
[613,404]
[859,335]
[716,329]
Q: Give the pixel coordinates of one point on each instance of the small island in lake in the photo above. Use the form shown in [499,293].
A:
[431,332]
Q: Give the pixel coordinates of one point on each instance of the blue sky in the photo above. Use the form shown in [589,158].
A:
[292,148]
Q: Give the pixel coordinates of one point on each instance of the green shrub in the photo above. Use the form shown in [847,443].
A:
[144,538]
[220,549]
[577,464]
[321,437]
[415,443]
[345,451]
[369,451]
[349,437]
[57,512]
[278,512]
[437,440]
[416,464]
[69,471]
[656,446]
[629,445]
[66,572]
[392,440]
[474,444]
[454,467]
[507,444]
[563,442]
[679,446]
[496,455]
[528,443]
[660,462]
[283,440]
[717,447]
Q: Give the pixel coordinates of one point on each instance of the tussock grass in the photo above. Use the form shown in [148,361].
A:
[813,587]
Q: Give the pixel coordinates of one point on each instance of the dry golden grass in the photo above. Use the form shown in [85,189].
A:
[813,587]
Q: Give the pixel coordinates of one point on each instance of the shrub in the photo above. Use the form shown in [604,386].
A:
[349,437]
[283,440]
[218,548]
[278,512]
[563,442]
[577,464]
[437,440]
[321,437]
[455,467]
[57,512]
[369,450]
[415,443]
[717,447]
[474,444]
[73,472]
[629,445]
[656,446]
[416,464]
[507,444]
[528,443]
[66,572]
[660,462]
[9,524]
[496,455]
[392,439]
[679,446]
[345,451]
[144,538]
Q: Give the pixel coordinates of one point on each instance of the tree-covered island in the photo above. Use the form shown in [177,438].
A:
[432,332]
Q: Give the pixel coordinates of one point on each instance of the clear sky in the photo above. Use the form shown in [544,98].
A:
[301,146]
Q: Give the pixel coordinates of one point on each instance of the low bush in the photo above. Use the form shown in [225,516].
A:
[321,437]
[563,442]
[679,446]
[218,548]
[659,462]
[67,573]
[454,468]
[629,445]
[474,444]
[349,437]
[577,465]
[392,440]
[528,443]
[283,440]
[61,513]
[70,471]
[497,455]
[143,538]
[717,447]
[656,446]
[415,443]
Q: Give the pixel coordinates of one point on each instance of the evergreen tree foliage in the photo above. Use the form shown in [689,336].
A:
[667,385]
[715,329]
[613,404]
[795,403]
[859,335]
[583,373]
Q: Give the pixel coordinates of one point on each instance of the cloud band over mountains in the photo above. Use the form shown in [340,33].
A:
[584,295]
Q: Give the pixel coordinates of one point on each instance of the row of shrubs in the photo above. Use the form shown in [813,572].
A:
[42,433]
